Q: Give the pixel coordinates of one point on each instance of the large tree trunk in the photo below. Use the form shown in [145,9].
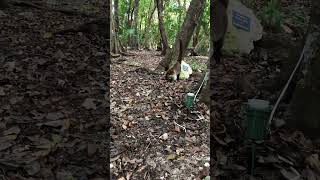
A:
[164,38]
[306,99]
[192,18]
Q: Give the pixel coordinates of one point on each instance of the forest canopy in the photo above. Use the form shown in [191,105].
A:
[138,23]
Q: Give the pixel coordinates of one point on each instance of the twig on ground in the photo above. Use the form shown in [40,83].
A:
[183,127]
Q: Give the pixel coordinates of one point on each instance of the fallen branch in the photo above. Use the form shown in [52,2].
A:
[183,127]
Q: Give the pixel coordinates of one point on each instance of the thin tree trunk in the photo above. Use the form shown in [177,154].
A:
[148,24]
[180,13]
[129,21]
[116,15]
[164,38]
[135,25]
[192,18]
[114,39]
[129,13]
[115,43]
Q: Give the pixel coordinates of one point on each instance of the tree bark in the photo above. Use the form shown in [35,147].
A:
[180,13]
[116,15]
[306,98]
[114,46]
[117,27]
[206,94]
[129,21]
[148,23]
[192,18]
[195,40]
[135,40]
[164,38]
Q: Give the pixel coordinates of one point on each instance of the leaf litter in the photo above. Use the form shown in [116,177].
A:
[146,112]
[48,84]
[286,153]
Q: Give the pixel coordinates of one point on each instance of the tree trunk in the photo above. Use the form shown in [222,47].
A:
[135,39]
[195,40]
[164,38]
[159,46]
[129,14]
[306,98]
[147,28]
[192,18]
[180,13]
[205,95]
[116,16]
[117,26]
[129,21]
[114,40]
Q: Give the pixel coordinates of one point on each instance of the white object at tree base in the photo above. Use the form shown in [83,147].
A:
[243,28]
[186,71]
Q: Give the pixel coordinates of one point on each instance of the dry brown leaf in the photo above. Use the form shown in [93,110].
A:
[171,156]
[92,149]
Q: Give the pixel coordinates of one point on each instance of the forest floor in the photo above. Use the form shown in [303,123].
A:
[152,134]
[286,153]
[147,143]
[53,109]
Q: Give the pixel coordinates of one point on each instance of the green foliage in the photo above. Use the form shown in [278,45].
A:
[196,65]
[174,15]
[203,46]
[271,16]
[297,16]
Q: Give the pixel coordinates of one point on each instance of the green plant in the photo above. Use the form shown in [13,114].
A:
[271,16]
[196,65]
